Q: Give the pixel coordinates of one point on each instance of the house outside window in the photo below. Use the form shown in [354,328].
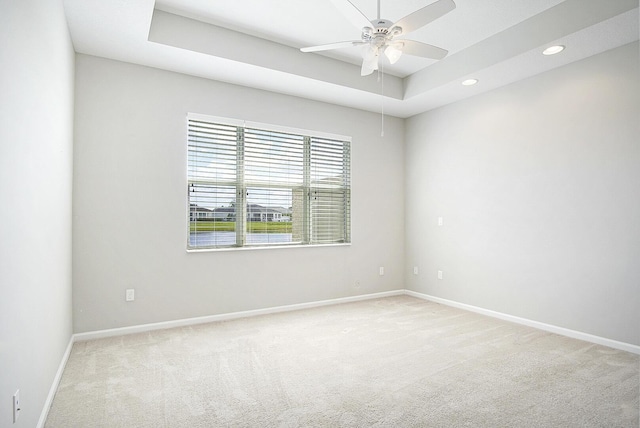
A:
[261,185]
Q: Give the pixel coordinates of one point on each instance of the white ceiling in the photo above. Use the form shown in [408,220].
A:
[256,43]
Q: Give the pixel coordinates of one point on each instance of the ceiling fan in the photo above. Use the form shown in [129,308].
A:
[379,35]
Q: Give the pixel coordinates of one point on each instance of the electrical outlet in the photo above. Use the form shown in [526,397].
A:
[357,285]
[440,221]
[16,406]
[381,270]
[415,270]
[439,274]
[130,295]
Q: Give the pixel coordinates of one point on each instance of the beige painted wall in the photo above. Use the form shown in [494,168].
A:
[538,185]
[36,143]
[129,211]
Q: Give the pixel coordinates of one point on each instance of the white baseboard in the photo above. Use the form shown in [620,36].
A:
[244,314]
[229,316]
[54,385]
[530,323]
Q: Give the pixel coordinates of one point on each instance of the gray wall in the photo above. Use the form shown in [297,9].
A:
[36,124]
[129,227]
[538,185]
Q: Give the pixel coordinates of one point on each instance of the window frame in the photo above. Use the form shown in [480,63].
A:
[242,186]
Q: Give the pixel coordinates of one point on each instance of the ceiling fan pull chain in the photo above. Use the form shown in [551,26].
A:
[381,77]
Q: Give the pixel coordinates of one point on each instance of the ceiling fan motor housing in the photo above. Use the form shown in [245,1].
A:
[381,27]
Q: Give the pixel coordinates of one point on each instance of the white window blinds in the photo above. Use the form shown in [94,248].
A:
[253,186]
[329,190]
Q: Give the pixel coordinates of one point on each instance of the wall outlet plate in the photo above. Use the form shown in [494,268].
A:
[415,270]
[381,270]
[130,295]
[16,406]
[439,274]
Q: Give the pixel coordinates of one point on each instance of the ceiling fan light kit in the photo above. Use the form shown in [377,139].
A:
[393,51]
[369,60]
[379,35]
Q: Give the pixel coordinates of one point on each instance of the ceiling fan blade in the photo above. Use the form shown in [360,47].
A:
[411,47]
[352,13]
[330,46]
[422,17]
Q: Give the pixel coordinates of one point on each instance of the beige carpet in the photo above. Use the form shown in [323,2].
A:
[392,362]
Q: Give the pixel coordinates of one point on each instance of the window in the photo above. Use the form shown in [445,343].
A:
[259,185]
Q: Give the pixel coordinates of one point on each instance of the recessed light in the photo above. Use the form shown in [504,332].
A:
[552,50]
[470,82]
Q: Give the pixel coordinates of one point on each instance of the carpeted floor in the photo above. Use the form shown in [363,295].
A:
[392,362]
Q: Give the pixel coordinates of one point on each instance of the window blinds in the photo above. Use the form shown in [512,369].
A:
[253,186]
[213,184]
[329,191]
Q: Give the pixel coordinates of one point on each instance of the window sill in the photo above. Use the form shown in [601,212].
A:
[264,247]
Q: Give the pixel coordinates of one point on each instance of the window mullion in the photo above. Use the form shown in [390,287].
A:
[346,184]
[241,191]
[306,223]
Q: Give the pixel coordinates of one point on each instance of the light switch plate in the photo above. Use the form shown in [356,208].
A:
[16,406]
